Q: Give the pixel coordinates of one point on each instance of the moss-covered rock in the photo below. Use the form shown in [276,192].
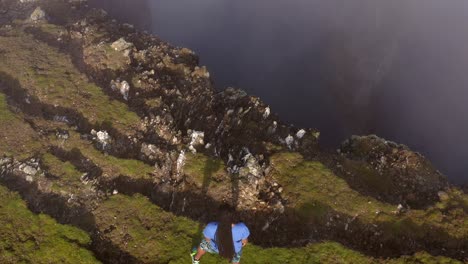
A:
[391,171]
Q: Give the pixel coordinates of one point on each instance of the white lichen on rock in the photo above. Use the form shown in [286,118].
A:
[180,162]
[267,113]
[197,139]
[121,86]
[300,134]
[289,140]
[102,138]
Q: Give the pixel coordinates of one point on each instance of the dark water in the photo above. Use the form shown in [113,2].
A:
[394,68]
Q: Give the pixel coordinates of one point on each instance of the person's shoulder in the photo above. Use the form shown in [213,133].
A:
[210,230]
[242,230]
[242,225]
[212,224]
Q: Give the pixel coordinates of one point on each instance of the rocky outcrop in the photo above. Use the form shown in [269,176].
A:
[407,176]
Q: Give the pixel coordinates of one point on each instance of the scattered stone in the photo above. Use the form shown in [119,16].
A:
[300,134]
[400,208]
[29,170]
[289,141]
[102,138]
[61,119]
[443,196]
[272,128]
[197,139]
[180,162]
[5,161]
[121,86]
[251,167]
[62,134]
[267,112]
[201,72]
[38,14]
[122,46]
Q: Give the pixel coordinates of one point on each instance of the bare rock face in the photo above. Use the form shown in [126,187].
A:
[408,176]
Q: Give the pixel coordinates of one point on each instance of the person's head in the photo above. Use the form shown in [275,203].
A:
[223,234]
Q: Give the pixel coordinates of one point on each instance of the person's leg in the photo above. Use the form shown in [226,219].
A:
[200,253]
[204,247]
[236,258]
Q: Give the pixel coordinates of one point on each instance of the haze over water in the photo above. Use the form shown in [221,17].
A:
[394,68]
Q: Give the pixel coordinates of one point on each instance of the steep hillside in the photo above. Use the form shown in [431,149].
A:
[124,137]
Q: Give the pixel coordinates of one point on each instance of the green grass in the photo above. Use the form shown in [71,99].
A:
[311,185]
[152,235]
[205,171]
[17,138]
[6,116]
[379,183]
[51,76]
[314,191]
[111,166]
[30,238]
[69,178]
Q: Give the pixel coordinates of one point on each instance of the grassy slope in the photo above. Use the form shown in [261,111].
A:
[207,173]
[68,177]
[17,138]
[51,76]
[30,238]
[314,190]
[155,236]
[111,166]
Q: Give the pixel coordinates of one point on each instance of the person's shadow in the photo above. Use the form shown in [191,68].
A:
[212,166]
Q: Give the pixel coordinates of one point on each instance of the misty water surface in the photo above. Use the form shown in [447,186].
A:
[394,68]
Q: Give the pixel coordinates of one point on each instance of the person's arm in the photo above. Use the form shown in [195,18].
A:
[244,242]
[209,232]
[246,235]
